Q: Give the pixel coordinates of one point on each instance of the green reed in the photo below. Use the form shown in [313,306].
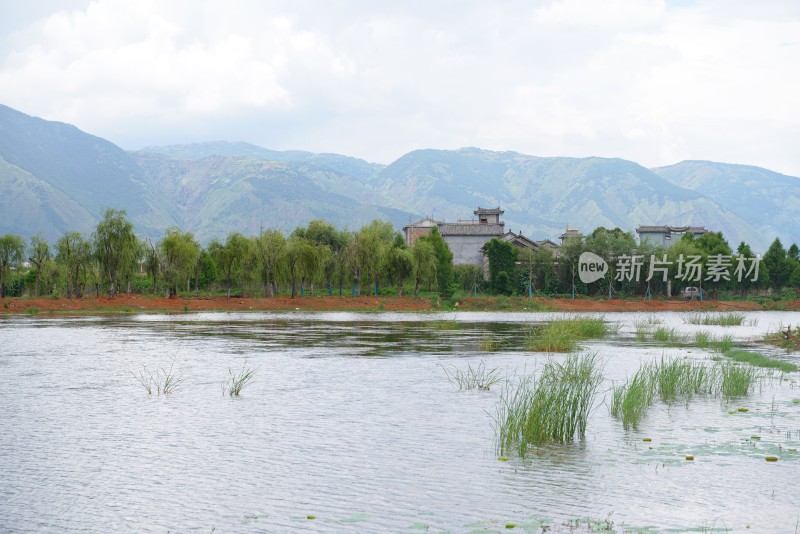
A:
[553,407]
[478,377]
[563,335]
[715,319]
[237,380]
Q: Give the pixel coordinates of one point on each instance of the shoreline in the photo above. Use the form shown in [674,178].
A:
[192,303]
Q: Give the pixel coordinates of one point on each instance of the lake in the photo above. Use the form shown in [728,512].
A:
[351,424]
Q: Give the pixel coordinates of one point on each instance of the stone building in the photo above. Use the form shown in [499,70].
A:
[466,238]
[661,236]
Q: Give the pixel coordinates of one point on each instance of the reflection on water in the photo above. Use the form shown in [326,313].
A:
[352,420]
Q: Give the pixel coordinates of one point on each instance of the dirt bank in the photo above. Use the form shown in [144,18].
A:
[144,303]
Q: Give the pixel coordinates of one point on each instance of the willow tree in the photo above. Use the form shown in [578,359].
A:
[423,264]
[39,256]
[115,247]
[12,254]
[74,255]
[401,265]
[179,252]
[270,249]
[231,257]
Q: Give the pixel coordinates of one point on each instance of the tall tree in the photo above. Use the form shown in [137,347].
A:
[74,254]
[115,247]
[444,261]
[270,249]
[778,265]
[502,257]
[231,256]
[39,256]
[179,253]
[423,261]
[12,254]
[401,265]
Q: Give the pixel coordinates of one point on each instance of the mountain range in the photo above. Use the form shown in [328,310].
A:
[56,178]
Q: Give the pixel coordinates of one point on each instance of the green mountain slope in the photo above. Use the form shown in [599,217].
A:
[217,195]
[542,195]
[768,200]
[28,202]
[92,172]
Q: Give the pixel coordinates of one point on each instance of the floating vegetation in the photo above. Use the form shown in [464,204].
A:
[237,380]
[771,458]
[717,319]
[478,377]
[553,407]
[759,360]
[164,381]
[563,335]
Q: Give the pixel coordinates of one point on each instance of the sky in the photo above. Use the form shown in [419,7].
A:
[651,81]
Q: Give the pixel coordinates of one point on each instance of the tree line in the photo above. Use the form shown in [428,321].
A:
[374,260]
[318,256]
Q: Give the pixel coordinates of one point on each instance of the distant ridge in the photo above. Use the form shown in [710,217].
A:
[55,178]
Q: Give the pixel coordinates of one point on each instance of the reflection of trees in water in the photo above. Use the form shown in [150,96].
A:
[372,337]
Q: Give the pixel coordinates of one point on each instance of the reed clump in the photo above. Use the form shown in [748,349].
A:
[737,380]
[478,377]
[716,319]
[553,407]
[163,381]
[563,335]
[631,400]
[237,380]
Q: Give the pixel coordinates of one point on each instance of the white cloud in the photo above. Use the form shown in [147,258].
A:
[639,79]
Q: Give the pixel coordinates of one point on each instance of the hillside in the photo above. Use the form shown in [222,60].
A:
[542,195]
[55,178]
[767,199]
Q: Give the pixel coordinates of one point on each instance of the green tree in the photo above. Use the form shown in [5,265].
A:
[778,265]
[502,259]
[444,261]
[152,262]
[401,265]
[270,250]
[74,254]
[39,256]
[115,247]
[231,257]
[423,261]
[12,254]
[179,254]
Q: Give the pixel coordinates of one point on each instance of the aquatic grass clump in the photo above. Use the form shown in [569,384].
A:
[683,379]
[737,380]
[563,335]
[631,400]
[162,380]
[715,319]
[551,408]
[759,360]
[668,336]
[722,344]
[702,339]
[478,377]
[237,380]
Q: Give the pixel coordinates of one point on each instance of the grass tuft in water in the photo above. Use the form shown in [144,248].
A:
[668,336]
[163,381]
[563,335]
[551,408]
[737,380]
[631,400]
[478,377]
[715,319]
[759,360]
[237,380]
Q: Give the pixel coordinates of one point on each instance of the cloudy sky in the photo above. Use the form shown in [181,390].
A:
[652,81]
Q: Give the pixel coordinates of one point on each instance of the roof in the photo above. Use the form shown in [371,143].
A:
[471,229]
[489,211]
[427,222]
[519,240]
[546,243]
[671,229]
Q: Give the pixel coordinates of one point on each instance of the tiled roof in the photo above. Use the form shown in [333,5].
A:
[671,229]
[489,211]
[471,229]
